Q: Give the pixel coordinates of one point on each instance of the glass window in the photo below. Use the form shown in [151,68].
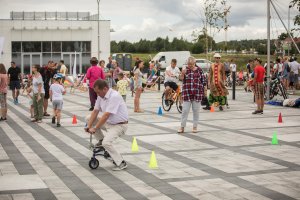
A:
[46,57]
[56,57]
[86,46]
[85,61]
[31,46]
[56,46]
[68,47]
[77,46]
[15,46]
[46,46]
[16,57]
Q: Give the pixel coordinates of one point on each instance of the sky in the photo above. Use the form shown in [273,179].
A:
[133,20]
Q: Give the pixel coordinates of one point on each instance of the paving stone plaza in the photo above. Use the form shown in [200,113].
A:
[231,157]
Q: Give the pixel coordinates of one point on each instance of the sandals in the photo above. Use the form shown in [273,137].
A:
[139,111]
[181,130]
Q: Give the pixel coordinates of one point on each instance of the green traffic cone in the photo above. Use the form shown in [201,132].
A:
[274,139]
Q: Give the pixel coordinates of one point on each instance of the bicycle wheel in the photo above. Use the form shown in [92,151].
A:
[283,91]
[166,104]
[179,103]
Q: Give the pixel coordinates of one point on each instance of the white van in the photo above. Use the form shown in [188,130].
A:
[164,58]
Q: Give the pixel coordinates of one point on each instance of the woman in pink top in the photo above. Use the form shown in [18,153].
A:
[3,92]
[94,73]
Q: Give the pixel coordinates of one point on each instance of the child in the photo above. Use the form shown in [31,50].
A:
[122,85]
[56,92]
[29,91]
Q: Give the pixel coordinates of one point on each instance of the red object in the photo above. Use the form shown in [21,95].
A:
[74,120]
[279,118]
[260,72]
[212,109]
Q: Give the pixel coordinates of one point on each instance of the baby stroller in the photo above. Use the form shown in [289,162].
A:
[151,82]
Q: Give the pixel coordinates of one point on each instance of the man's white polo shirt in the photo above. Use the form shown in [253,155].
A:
[114,104]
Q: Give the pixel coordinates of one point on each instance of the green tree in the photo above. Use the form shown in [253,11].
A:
[296,3]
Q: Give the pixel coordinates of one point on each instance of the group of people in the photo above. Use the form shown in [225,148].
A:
[286,69]
[43,84]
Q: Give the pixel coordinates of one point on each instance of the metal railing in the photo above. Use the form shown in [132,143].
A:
[51,16]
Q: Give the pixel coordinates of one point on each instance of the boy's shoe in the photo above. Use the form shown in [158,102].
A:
[58,125]
[53,120]
[34,120]
[15,101]
[122,166]
[221,108]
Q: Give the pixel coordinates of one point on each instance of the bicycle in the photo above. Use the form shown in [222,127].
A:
[176,97]
[276,87]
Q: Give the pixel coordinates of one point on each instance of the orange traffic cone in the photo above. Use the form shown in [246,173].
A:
[212,109]
[74,120]
[279,118]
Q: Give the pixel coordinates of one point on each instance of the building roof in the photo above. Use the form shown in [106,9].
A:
[53,16]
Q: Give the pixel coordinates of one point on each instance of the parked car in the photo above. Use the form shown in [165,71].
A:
[204,64]
[164,58]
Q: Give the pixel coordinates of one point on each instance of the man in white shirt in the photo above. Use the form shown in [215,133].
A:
[114,121]
[295,66]
[171,79]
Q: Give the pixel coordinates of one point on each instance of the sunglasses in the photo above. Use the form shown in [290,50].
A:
[217,58]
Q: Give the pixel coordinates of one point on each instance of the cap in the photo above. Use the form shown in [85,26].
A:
[57,76]
[217,55]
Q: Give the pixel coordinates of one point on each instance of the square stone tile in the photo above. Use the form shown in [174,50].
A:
[173,142]
[229,161]
[216,189]
[230,138]
[167,167]
[282,152]
[287,183]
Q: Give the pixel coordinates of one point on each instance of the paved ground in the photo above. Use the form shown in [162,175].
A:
[230,158]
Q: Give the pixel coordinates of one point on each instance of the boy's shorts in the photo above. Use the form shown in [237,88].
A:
[57,104]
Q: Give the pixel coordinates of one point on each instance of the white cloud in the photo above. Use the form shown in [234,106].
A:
[136,19]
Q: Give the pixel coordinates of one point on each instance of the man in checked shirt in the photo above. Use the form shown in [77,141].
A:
[193,85]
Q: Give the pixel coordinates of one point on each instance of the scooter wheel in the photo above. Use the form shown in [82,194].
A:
[93,163]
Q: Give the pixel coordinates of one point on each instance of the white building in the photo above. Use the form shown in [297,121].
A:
[36,37]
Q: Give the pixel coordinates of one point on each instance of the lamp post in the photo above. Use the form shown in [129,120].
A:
[289,28]
[98,20]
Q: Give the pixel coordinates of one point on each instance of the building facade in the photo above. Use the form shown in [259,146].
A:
[36,37]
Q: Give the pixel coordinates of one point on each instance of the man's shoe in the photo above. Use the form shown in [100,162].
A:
[58,125]
[91,109]
[167,102]
[221,108]
[39,121]
[206,108]
[99,144]
[3,119]
[122,166]
[256,112]
[53,120]
[34,120]
[17,101]
[46,114]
